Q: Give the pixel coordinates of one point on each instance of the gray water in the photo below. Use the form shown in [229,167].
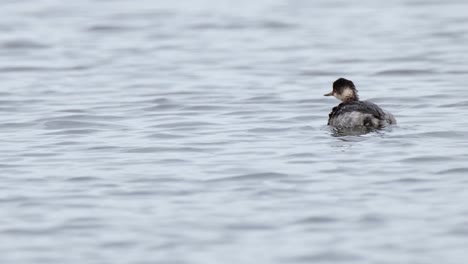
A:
[195,132]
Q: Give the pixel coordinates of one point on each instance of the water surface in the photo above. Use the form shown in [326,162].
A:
[195,132]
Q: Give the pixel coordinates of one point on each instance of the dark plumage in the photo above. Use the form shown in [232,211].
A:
[357,106]
[354,113]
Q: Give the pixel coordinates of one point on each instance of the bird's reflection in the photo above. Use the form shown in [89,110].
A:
[354,131]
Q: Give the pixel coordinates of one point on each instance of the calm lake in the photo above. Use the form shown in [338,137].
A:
[194,132]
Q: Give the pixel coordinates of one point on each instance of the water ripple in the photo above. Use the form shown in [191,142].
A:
[190,132]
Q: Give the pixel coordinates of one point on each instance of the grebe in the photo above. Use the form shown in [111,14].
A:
[352,112]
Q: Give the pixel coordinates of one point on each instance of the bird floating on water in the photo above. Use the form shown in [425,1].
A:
[352,112]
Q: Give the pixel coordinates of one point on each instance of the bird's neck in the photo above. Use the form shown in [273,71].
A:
[348,95]
[350,98]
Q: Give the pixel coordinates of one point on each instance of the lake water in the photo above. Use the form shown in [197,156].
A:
[195,132]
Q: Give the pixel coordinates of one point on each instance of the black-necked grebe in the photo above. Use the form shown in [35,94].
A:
[354,113]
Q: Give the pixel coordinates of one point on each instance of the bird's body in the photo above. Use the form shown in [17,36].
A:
[355,113]
[359,113]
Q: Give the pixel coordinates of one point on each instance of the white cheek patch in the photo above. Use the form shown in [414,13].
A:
[345,94]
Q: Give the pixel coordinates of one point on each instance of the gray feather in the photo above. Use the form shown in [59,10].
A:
[359,113]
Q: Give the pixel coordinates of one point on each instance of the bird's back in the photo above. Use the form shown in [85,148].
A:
[359,113]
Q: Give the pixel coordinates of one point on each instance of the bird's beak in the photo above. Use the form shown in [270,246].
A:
[329,94]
